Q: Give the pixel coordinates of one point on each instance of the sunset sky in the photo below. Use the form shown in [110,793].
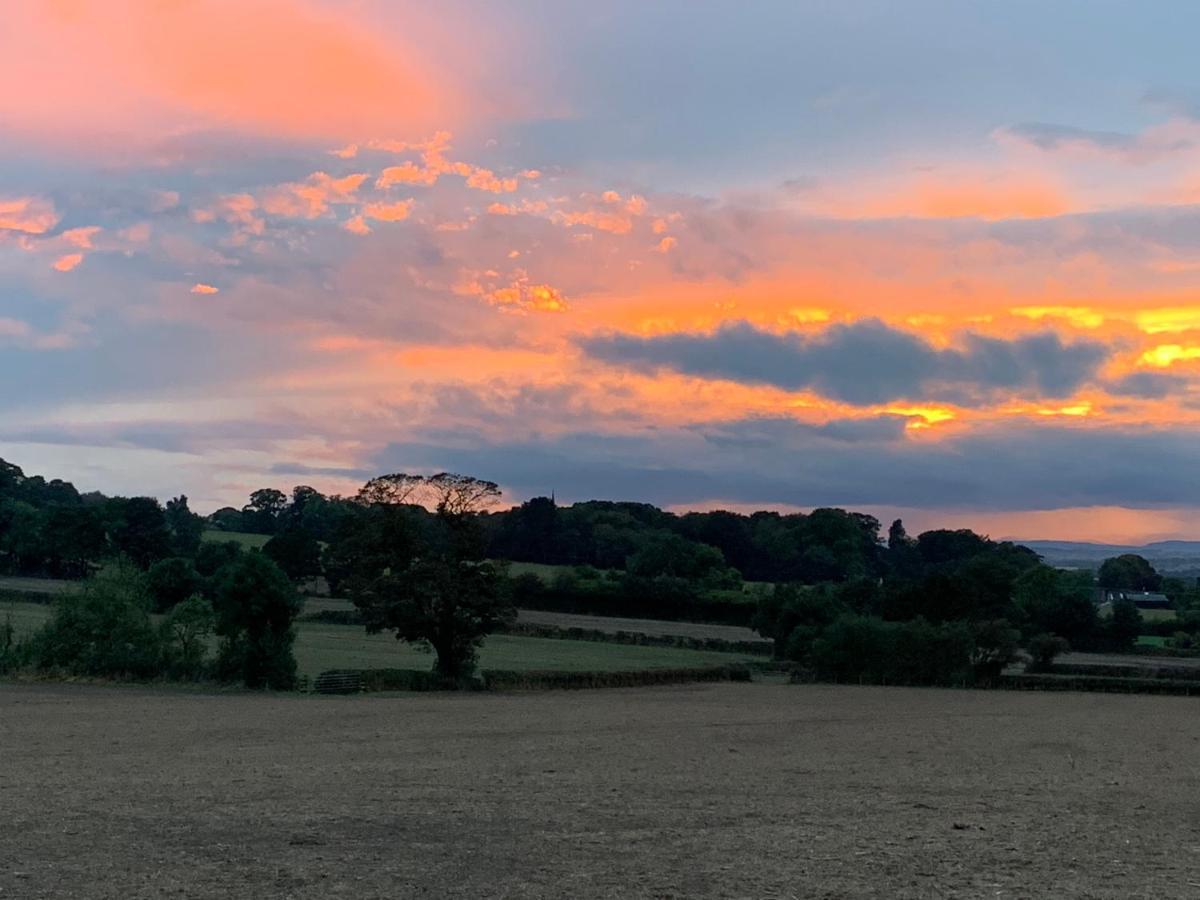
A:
[936,260]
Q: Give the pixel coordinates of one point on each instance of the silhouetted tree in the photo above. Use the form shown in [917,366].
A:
[138,530]
[255,605]
[1128,572]
[444,594]
[295,551]
[187,528]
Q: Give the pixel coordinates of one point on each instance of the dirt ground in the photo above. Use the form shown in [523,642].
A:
[707,791]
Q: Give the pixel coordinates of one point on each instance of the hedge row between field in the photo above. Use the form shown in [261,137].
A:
[1157,673]
[548,679]
[640,639]
[1096,683]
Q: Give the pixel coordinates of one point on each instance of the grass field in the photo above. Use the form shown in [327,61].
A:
[684,792]
[245,538]
[320,647]
[24,616]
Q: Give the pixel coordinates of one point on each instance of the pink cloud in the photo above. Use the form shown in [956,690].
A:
[388,212]
[68,262]
[298,68]
[311,198]
[80,237]
[28,215]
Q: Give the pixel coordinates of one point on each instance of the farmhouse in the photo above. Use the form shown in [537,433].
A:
[1150,604]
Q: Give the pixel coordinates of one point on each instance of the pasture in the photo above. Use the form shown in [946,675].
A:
[698,791]
[246,539]
[320,647]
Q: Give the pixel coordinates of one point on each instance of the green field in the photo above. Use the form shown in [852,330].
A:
[24,616]
[320,647]
[245,538]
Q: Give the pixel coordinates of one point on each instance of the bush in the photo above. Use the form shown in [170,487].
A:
[12,651]
[1043,649]
[104,629]
[185,633]
[996,646]
[1182,640]
[869,650]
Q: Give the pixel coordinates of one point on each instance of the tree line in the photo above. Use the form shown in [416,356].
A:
[424,557]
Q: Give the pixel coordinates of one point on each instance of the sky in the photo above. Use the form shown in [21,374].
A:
[934,260]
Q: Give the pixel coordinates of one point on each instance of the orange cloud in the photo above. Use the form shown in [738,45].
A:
[388,212]
[80,237]
[280,67]
[435,164]
[28,215]
[947,194]
[201,288]
[68,262]
[518,294]
[311,198]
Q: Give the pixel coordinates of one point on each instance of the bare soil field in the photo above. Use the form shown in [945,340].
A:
[705,791]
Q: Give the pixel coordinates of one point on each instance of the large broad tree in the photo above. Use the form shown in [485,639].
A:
[1128,572]
[428,581]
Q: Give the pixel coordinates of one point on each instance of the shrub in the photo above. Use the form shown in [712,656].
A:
[996,646]
[185,633]
[12,651]
[870,650]
[1043,649]
[104,629]
[1182,640]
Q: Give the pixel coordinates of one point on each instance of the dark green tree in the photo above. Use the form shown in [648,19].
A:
[256,605]
[261,514]
[215,555]
[186,527]
[138,530]
[444,594]
[297,552]
[1051,601]
[1128,572]
[74,540]
[185,631]
[171,581]
[1125,625]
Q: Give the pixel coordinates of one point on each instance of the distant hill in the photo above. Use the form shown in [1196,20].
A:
[1169,557]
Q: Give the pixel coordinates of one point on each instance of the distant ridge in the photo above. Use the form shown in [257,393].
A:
[1167,556]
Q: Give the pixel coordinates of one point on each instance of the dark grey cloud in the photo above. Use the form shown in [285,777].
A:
[864,362]
[767,432]
[1049,136]
[1131,148]
[1149,385]
[1015,468]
